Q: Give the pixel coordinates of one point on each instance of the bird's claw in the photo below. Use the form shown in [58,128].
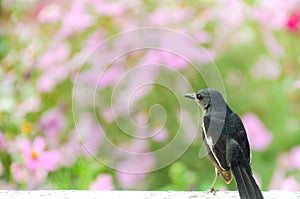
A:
[213,191]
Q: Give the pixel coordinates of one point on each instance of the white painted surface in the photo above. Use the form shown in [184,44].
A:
[74,194]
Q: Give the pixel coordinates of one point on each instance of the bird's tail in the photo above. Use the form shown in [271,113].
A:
[247,187]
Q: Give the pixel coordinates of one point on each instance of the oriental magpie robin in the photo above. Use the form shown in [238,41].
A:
[226,141]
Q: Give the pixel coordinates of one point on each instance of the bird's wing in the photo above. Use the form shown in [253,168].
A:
[215,142]
[239,134]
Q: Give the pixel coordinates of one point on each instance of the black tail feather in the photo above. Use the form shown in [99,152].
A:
[247,187]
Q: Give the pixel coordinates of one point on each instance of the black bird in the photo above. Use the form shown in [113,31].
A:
[226,141]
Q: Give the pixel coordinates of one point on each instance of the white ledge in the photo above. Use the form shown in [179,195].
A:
[74,194]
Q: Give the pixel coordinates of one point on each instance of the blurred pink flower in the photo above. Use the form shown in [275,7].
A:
[138,163]
[232,15]
[28,105]
[53,122]
[49,12]
[273,45]
[167,59]
[129,180]
[258,135]
[109,77]
[19,174]
[141,119]
[108,115]
[75,20]
[293,22]
[203,37]
[289,184]
[70,151]
[51,77]
[277,179]
[90,134]
[109,9]
[175,15]
[57,53]
[45,83]
[266,68]
[295,157]
[31,178]
[54,66]
[284,161]
[297,84]
[94,40]
[160,134]
[36,157]
[103,182]
[271,13]
[102,79]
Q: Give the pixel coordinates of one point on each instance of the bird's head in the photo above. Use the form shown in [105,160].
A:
[206,98]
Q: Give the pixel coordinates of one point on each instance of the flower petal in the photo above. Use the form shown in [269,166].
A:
[39,144]
[49,160]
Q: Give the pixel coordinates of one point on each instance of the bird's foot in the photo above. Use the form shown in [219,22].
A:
[213,191]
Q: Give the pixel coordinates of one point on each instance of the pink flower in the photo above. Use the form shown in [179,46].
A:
[284,161]
[160,134]
[293,22]
[102,79]
[297,84]
[89,133]
[53,122]
[289,184]
[129,180]
[103,182]
[75,20]
[175,15]
[272,44]
[49,12]
[232,15]
[36,157]
[57,53]
[277,179]
[28,105]
[203,37]
[31,178]
[295,157]
[108,115]
[19,174]
[266,68]
[134,169]
[109,77]
[167,59]
[70,151]
[45,83]
[259,136]
[109,9]
[271,13]
[54,66]
[94,40]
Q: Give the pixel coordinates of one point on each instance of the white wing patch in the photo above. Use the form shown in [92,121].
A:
[210,144]
[209,141]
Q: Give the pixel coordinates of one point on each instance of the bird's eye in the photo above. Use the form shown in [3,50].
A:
[199,97]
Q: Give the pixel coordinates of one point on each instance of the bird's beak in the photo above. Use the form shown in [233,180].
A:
[190,95]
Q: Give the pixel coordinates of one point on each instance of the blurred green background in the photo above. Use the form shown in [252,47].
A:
[253,44]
